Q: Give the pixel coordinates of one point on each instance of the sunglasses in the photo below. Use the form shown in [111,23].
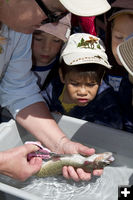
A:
[51,17]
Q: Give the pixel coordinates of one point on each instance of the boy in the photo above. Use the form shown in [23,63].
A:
[125,54]
[119,27]
[46,46]
[81,92]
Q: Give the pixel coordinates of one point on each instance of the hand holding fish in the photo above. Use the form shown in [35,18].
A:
[73,166]
[78,174]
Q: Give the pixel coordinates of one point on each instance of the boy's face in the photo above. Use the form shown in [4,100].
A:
[122,28]
[45,48]
[79,90]
[25,15]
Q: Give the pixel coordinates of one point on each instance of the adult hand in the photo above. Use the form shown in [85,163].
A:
[67,146]
[14,162]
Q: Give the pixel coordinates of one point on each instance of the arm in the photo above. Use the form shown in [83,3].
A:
[41,124]
[20,94]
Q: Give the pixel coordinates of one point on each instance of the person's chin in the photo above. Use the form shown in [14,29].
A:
[82,104]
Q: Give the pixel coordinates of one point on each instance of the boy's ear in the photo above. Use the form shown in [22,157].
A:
[61,76]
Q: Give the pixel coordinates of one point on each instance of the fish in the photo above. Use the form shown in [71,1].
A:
[54,166]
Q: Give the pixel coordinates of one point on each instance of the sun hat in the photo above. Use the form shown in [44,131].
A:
[62,29]
[122,4]
[125,53]
[84,48]
[121,7]
[120,12]
[86,7]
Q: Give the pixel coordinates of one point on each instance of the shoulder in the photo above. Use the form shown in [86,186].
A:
[13,37]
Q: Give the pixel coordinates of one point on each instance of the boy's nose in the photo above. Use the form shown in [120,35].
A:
[46,45]
[82,91]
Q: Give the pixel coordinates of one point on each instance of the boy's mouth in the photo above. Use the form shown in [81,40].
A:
[44,56]
[83,100]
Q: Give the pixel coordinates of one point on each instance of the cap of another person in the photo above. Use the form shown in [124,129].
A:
[61,30]
[120,7]
[83,48]
[125,54]
[86,7]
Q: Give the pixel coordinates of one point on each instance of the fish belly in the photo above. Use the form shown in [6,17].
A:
[53,168]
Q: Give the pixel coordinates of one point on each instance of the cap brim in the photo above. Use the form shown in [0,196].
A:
[116,14]
[125,54]
[86,7]
[77,59]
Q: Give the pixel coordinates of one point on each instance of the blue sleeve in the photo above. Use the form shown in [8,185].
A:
[18,88]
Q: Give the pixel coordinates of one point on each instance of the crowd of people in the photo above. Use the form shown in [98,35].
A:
[56,61]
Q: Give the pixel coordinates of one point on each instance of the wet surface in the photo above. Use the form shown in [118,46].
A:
[58,188]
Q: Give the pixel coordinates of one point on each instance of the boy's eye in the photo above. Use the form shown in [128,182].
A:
[57,41]
[74,83]
[91,84]
[38,39]
[119,37]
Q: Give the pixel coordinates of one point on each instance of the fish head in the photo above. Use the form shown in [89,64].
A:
[98,161]
[103,159]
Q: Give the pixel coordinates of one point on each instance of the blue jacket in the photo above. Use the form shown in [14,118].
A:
[102,110]
[125,101]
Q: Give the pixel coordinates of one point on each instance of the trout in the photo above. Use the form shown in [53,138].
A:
[88,163]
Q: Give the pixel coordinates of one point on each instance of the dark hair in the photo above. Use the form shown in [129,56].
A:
[37,32]
[92,70]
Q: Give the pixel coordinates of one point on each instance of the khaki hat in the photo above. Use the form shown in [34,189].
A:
[61,30]
[121,7]
[120,12]
[127,4]
[83,48]
[86,7]
[125,53]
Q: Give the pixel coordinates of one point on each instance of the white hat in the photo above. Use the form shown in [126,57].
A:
[125,54]
[83,48]
[86,7]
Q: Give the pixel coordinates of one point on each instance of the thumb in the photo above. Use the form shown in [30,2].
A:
[84,150]
[35,164]
[31,148]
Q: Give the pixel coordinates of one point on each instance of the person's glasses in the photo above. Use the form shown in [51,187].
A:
[51,17]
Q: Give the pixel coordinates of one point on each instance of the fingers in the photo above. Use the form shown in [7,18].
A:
[84,150]
[31,148]
[98,172]
[83,175]
[35,164]
[79,174]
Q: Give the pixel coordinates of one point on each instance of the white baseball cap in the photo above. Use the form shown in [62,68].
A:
[83,48]
[86,7]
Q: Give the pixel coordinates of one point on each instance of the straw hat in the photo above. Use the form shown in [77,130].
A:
[125,53]
[83,48]
[86,7]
